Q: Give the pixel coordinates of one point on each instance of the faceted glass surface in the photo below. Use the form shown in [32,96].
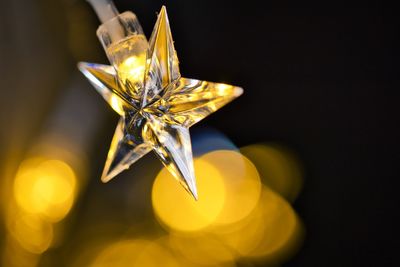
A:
[157,105]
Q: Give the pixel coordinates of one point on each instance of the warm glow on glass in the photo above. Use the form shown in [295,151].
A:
[116,104]
[222,88]
[178,210]
[45,187]
[133,68]
[128,57]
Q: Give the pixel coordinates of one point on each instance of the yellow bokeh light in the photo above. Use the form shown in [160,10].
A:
[283,230]
[178,210]
[30,231]
[271,230]
[244,235]
[278,167]
[15,256]
[136,252]
[242,182]
[202,248]
[45,187]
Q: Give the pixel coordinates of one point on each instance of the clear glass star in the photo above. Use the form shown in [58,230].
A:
[157,105]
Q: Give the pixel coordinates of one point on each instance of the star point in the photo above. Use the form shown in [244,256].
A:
[157,106]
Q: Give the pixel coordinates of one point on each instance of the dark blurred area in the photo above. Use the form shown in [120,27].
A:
[320,80]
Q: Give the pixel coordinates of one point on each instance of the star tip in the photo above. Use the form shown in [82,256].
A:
[163,13]
[106,178]
[193,191]
[238,91]
[194,195]
[81,65]
[190,187]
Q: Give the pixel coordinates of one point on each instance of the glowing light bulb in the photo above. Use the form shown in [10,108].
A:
[129,59]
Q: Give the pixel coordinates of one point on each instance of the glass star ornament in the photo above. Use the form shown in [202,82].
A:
[157,106]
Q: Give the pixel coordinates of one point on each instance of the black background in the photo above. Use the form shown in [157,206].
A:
[321,79]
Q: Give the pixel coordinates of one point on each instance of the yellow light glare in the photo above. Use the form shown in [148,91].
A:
[282,233]
[269,231]
[138,252]
[15,256]
[178,210]
[45,187]
[203,249]
[278,167]
[222,88]
[242,182]
[116,104]
[244,235]
[31,232]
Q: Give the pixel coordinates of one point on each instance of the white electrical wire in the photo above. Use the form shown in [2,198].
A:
[105,9]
